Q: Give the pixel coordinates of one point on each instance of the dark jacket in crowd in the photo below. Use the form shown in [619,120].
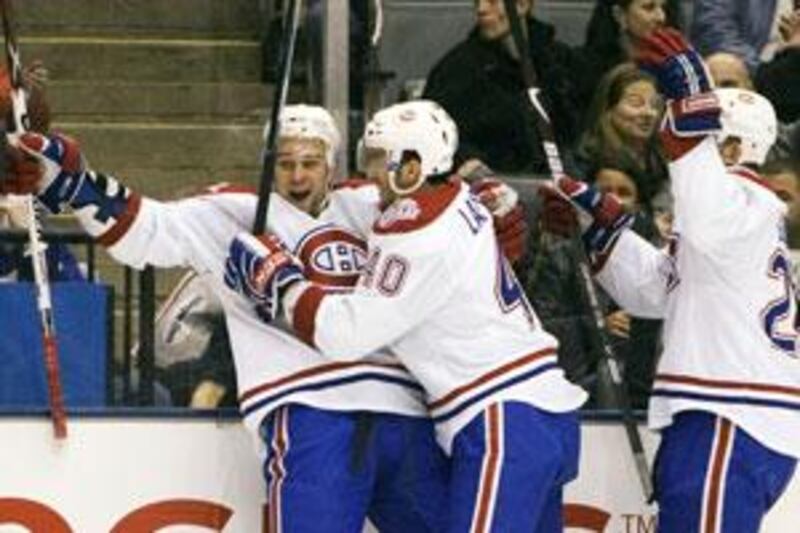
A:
[553,284]
[779,81]
[481,86]
[602,49]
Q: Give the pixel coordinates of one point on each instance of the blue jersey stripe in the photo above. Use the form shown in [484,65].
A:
[739,400]
[488,392]
[329,383]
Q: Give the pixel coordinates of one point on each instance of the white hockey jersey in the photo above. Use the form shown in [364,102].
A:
[273,367]
[726,293]
[439,293]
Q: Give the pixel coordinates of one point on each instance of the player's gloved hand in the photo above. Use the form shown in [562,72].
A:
[23,173]
[60,169]
[512,234]
[510,225]
[557,214]
[677,67]
[693,111]
[261,269]
[601,217]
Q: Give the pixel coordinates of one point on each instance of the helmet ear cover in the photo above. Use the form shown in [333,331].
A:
[420,130]
[749,117]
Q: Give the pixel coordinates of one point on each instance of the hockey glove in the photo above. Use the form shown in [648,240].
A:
[693,111]
[23,173]
[510,225]
[60,169]
[600,216]
[556,215]
[677,67]
[261,269]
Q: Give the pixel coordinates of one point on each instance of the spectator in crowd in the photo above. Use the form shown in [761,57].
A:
[479,83]
[620,133]
[784,178]
[635,340]
[747,28]
[663,216]
[779,79]
[615,28]
[728,70]
[555,288]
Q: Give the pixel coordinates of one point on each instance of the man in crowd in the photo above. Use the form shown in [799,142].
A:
[479,83]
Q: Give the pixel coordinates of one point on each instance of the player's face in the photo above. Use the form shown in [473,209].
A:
[727,70]
[375,167]
[620,185]
[636,114]
[301,173]
[731,150]
[642,17]
[491,16]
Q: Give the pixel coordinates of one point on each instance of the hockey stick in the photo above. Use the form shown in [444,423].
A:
[545,130]
[288,40]
[36,248]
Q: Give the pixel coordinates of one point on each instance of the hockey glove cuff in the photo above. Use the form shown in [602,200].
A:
[261,269]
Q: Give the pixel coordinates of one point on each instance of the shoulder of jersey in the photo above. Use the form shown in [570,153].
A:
[773,196]
[752,177]
[416,211]
[225,187]
[353,183]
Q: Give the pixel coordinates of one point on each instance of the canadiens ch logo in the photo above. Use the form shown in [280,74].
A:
[332,256]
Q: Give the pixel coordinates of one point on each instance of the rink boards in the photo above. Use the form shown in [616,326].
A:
[126,475]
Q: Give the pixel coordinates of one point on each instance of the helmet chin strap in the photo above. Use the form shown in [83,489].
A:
[400,191]
[395,186]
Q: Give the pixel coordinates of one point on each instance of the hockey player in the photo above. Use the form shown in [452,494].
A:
[726,397]
[321,476]
[437,291]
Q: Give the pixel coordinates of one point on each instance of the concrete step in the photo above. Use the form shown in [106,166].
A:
[145,59]
[172,183]
[162,158]
[77,101]
[139,17]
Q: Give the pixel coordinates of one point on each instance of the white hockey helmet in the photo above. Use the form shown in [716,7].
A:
[750,117]
[421,127]
[310,122]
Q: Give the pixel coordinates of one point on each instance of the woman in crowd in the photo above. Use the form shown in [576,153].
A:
[620,132]
[615,28]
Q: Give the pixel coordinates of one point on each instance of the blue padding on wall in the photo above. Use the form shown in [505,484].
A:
[82,321]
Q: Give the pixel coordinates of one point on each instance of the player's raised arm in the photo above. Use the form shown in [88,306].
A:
[708,203]
[136,230]
[629,268]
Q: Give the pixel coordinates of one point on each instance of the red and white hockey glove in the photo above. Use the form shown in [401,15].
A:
[60,169]
[23,173]
[510,225]
[600,217]
[261,269]
[677,67]
[556,215]
[693,111]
